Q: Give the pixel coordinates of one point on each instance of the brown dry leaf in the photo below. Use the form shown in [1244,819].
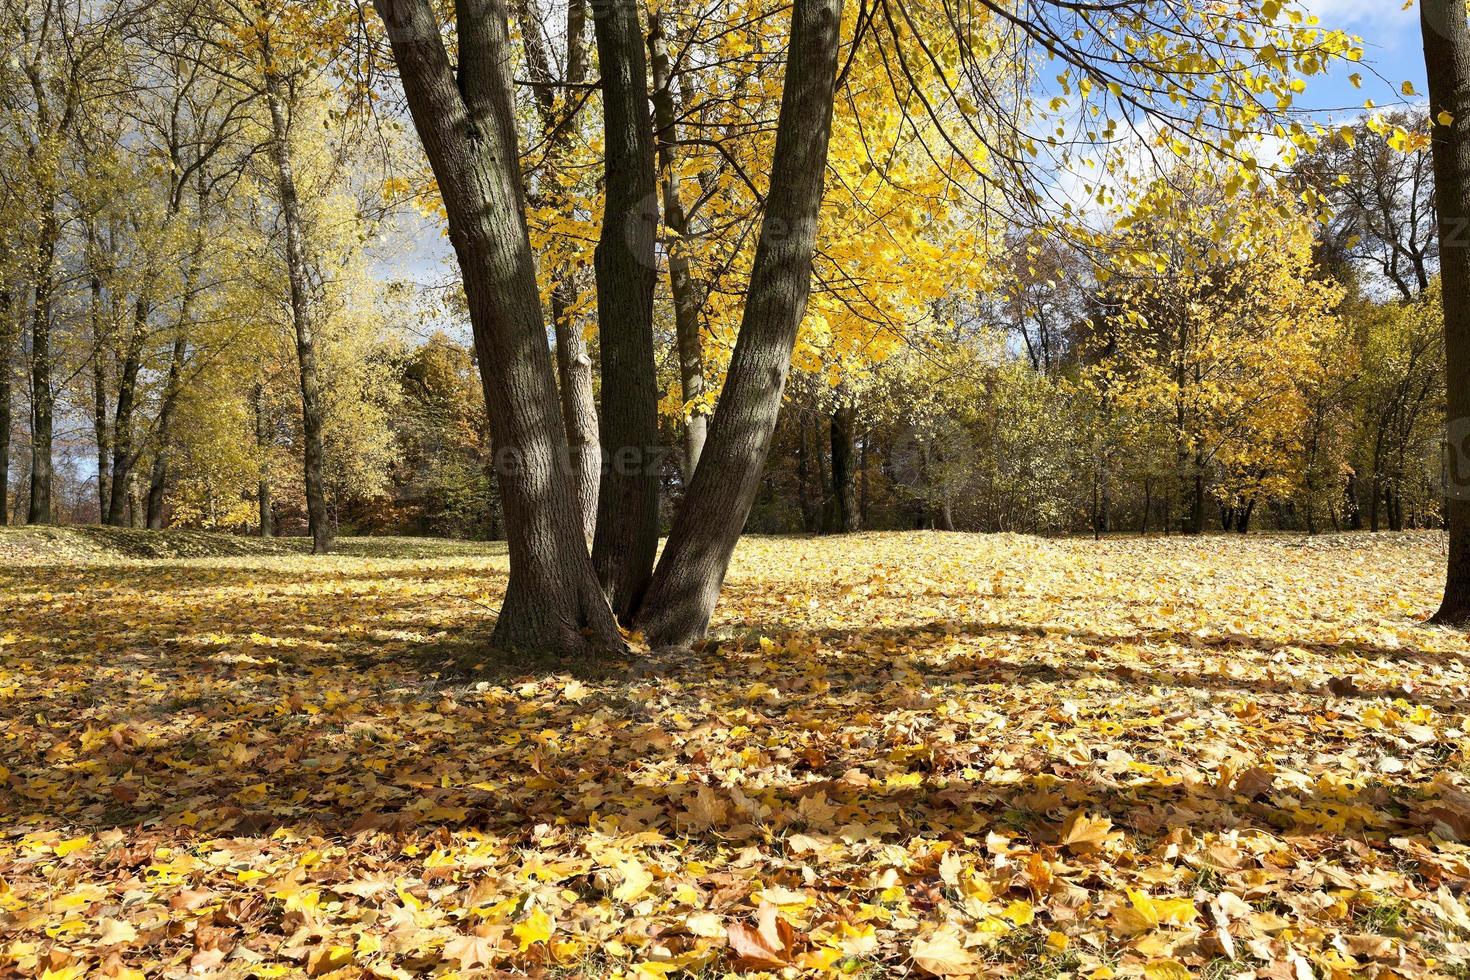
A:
[768,945]
[943,954]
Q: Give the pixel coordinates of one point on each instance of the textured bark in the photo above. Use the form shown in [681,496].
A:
[42,396]
[692,568]
[626,538]
[573,358]
[687,293]
[1447,58]
[553,601]
[123,457]
[301,316]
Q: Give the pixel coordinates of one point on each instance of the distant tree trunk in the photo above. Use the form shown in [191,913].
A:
[1243,516]
[123,456]
[1353,511]
[626,539]
[302,313]
[263,478]
[810,512]
[100,429]
[844,507]
[42,396]
[707,527]
[1447,59]
[553,601]
[1148,503]
[7,351]
[573,359]
[159,477]
[686,291]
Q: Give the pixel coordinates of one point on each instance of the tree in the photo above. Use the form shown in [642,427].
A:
[1446,33]
[465,118]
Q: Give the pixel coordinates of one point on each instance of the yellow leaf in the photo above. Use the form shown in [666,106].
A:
[535,928]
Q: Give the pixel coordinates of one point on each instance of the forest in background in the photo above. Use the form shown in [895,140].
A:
[179,350]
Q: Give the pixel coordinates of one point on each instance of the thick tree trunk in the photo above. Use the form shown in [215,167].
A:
[553,601]
[42,396]
[686,291]
[1446,31]
[708,525]
[301,315]
[123,457]
[101,431]
[626,539]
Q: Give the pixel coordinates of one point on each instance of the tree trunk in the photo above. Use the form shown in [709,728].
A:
[626,539]
[844,474]
[7,350]
[158,479]
[301,314]
[123,456]
[810,513]
[42,396]
[686,291]
[573,359]
[262,447]
[553,601]
[707,527]
[1447,58]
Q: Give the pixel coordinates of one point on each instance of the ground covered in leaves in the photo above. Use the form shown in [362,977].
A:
[922,754]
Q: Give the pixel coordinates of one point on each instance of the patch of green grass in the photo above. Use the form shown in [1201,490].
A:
[1384,917]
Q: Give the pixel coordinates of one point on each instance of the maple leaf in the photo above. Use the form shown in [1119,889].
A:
[943,953]
[1083,833]
[479,949]
[767,945]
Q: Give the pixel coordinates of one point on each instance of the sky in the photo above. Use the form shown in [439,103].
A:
[1392,49]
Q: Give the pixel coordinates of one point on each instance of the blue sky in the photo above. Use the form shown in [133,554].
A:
[1392,49]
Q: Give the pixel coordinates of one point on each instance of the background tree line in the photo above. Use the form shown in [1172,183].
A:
[209,319]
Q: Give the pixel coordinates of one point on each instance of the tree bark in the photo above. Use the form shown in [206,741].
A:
[844,476]
[7,350]
[301,314]
[1447,59]
[686,292]
[553,601]
[123,457]
[573,359]
[263,478]
[158,479]
[42,396]
[100,429]
[687,582]
[626,538]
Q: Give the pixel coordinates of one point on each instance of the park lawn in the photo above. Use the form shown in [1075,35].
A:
[900,753]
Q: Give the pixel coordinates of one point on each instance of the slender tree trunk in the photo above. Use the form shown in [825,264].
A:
[158,479]
[7,351]
[686,291]
[844,478]
[1447,59]
[573,359]
[100,429]
[42,396]
[1148,503]
[810,517]
[302,314]
[626,539]
[553,601]
[707,527]
[123,457]
[262,447]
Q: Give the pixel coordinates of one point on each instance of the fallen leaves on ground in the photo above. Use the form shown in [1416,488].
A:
[938,754]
